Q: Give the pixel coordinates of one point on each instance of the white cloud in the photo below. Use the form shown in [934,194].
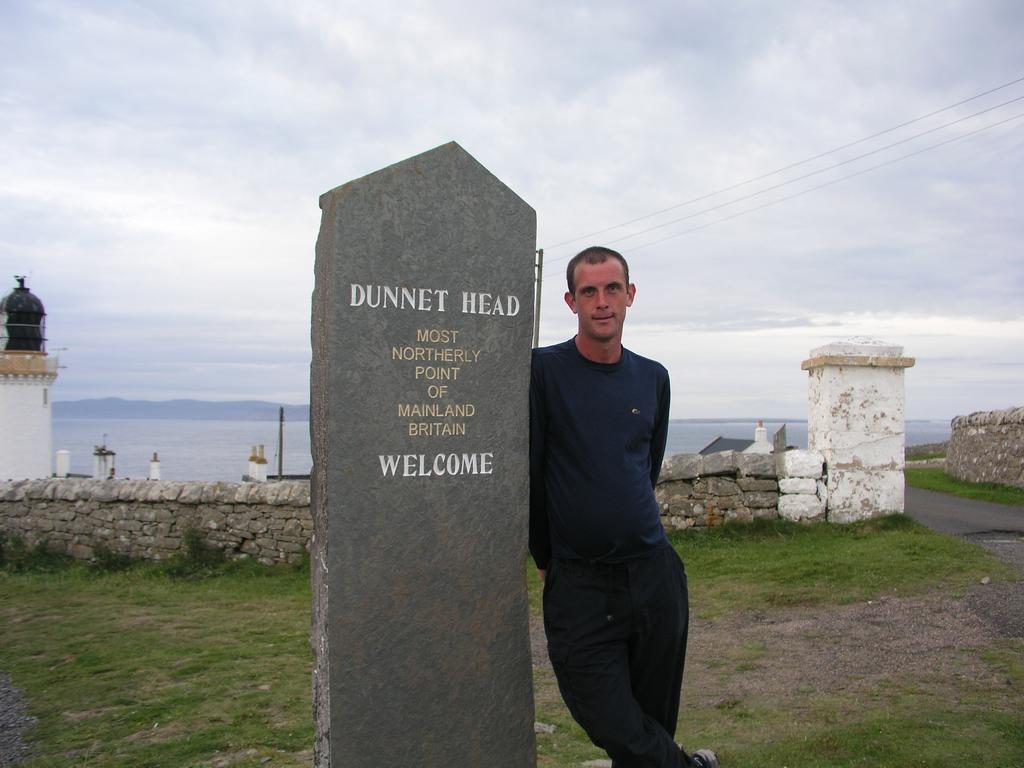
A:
[162,163]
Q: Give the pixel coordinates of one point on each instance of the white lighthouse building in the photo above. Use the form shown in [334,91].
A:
[27,374]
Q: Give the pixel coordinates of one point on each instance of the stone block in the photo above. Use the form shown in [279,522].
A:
[80,551]
[298,495]
[257,494]
[106,491]
[855,399]
[734,501]
[153,491]
[278,494]
[681,466]
[224,493]
[799,463]
[171,491]
[860,494]
[801,508]
[163,515]
[721,463]
[798,485]
[131,490]
[721,486]
[67,491]
[250,547]
[402,621]
[761,499]
[64,513]
[862,450]
[9,491]
[756,464]
[242,493]
[34,490]
[757,484]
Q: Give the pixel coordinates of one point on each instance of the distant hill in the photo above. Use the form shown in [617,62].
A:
[201,410]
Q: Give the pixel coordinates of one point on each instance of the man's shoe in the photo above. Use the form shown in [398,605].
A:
[705,758]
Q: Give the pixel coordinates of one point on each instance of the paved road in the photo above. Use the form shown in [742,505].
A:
[962,517]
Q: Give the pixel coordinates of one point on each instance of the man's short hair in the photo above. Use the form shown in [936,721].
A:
[595,254]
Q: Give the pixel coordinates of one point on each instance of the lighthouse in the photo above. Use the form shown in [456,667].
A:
[27,374]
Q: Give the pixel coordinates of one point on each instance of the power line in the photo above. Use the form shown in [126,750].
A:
[790,166]
[820,186]
[812,173]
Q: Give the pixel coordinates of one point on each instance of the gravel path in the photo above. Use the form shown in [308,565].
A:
[1002,604]
[779,655]
[14,721]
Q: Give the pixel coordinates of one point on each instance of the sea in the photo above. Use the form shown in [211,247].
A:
[219,450]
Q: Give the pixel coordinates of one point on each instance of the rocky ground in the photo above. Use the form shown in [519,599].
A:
[14,721]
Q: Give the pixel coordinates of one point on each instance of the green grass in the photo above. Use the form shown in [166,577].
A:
[903,726]
[743,566]
[777,563]
[150,665]
[139,668]
[938,480]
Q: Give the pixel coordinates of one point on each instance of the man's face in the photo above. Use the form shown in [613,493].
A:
[601,299]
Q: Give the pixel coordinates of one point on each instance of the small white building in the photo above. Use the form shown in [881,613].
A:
[27,375]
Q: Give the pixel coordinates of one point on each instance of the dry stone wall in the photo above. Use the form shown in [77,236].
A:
[147,519]
[697,490]
[271,521]
[988,447]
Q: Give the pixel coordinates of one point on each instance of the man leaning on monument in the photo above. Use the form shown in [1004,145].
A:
[615,596]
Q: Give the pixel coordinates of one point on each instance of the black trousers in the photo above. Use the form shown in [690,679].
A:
[617,641]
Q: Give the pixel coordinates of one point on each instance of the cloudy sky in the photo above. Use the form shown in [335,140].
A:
[160,164]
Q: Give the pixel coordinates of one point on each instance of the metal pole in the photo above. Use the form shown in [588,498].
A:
[280,446]
[539,281]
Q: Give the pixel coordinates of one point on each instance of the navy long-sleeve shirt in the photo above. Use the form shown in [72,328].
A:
[597,439]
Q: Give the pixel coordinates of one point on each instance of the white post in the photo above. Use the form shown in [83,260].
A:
[154,467]
[63,463]
[257,465]
[856,420]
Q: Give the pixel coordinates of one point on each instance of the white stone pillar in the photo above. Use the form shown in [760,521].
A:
[856,420]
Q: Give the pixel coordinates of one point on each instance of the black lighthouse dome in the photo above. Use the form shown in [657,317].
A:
[22,321]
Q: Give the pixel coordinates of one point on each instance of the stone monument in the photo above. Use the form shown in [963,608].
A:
[422,325]
[856,421]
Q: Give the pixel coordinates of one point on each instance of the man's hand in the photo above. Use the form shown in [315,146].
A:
[542,572]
